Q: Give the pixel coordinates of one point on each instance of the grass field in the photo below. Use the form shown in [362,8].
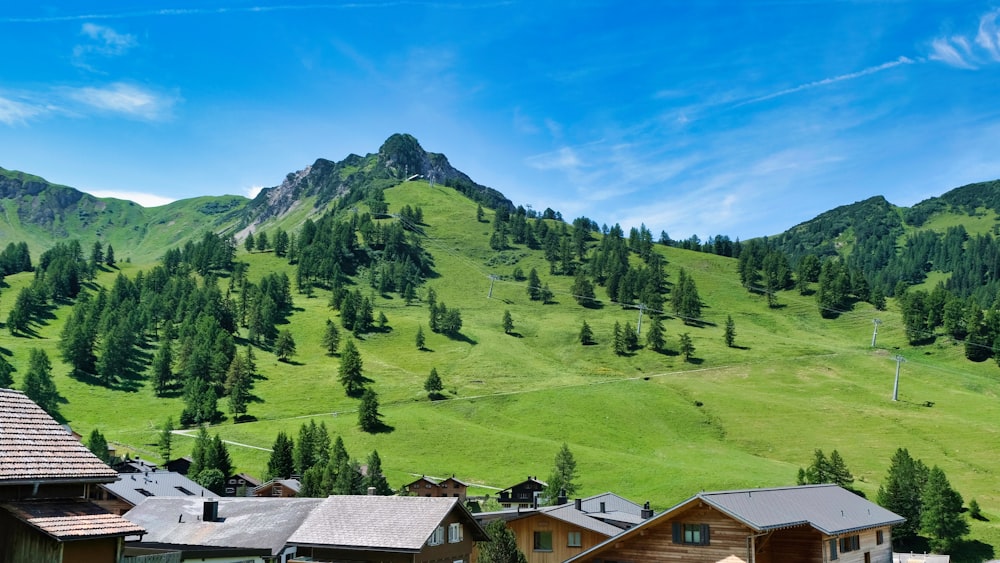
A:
[648,426]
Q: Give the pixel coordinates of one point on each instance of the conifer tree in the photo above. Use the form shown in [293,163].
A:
[586,336]
[350,370]
[730,334]
[6,373]
[420,340]
[163,376]
[331,338]
[374,477]
[249,243]
[508,322]
[433,385]
[618,339]
[369,419]
[686,346]
[941,516]
[534,285]
[654,334]
[630,337]
[38,384]
[503,545]
[901,492]
[166,439]
[281,464]
[284,348]
[98,445]
[562,480]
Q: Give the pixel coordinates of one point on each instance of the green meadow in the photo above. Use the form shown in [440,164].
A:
[648,426]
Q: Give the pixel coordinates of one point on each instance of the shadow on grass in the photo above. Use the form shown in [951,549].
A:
[436,396]
[695,361]
[971,551]
[459,337]
[515,334]
[381,428]
[290,362]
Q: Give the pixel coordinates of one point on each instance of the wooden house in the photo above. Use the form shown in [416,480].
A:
[389,529]
[552,534]
[45,477]
[807,524]
[240,485]
[522,495]
[430,487]
[284,488]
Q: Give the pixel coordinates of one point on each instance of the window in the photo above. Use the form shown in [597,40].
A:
[543,541]
[879,537]
[690,534]
[454,532]
[437,538]
[833,550]
[573,540]
[185,491]
[850,543]
[230,490]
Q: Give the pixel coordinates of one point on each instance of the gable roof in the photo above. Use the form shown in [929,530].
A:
[829,509]
[385,523]
[527,481]
[137,487]
[566,513]
[71,519]
[35,448]
[243,522]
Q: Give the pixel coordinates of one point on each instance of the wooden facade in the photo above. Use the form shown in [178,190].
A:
[428,487]
[559,531]
[522,495]
[699,532]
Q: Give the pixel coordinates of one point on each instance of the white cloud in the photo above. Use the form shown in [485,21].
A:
[143,199]
[252,191]
[988,36]
[125,99]
[108,41]
[943,50]
[564,159]
[12,112]
[832,80]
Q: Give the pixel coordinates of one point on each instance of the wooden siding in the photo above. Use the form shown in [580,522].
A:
[19,543]
[879,553]
[524,530]
[795,545]
[103,550]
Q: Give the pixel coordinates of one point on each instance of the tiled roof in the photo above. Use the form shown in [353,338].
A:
[387,523]
[258,523]
[136,487]
[71,519]
[828,508]
[34,447]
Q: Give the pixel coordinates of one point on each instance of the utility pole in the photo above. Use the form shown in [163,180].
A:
[876,322]
[493,278]
[638,325]
[895,387]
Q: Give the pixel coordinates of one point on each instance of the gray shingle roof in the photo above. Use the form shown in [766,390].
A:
[34,447]
[612,503]
[379,522]
[828,508]
[569,513]
[71,519]
[243,522]
[137,487]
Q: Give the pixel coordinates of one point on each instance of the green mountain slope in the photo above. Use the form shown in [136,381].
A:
[647,425]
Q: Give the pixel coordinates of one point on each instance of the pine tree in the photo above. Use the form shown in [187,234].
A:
[503,545]
[351,376]
[534,285]
[730,334]
[6,373]
[38,384]
[284,348]
[901,492]
[618,339]
[586,336]
[941,517]
[561,481]
[654,334]
[331,338]
[217,457]
[839,474]
[166,440]
[163,376]
[420,341]
[109,256]
[374,478]
[546,294]
[305,448]
[98,445]
[686,346]
[433,385]
[199,452]
[239,381]
[508,322]
[630,336]
[369,419]
[281,464]
[249,243]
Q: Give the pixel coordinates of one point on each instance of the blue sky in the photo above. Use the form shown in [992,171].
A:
[697,118]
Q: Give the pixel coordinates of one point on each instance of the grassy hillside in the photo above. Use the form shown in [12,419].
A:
[649,426]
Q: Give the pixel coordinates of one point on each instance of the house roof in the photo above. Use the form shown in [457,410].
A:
[566,513]
[829,509]
[525,482]
[71,519]
[292,484]
[243,522]
[612,503]
[385,523]
[137,487]
[35,448]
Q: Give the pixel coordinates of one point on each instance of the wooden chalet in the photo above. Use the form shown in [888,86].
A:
[45,477]
[430,487]
[522,495]
[807,524]
[389,529]
[552,534]
[283,488]
[240,485]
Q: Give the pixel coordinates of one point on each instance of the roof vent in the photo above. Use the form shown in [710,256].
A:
[210,511]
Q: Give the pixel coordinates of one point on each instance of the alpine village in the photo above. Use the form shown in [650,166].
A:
[379,359]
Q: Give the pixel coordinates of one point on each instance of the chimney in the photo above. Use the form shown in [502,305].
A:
[371,491]
[578,504]
[602,507]
[561,499]
[210,511]
[647,512]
